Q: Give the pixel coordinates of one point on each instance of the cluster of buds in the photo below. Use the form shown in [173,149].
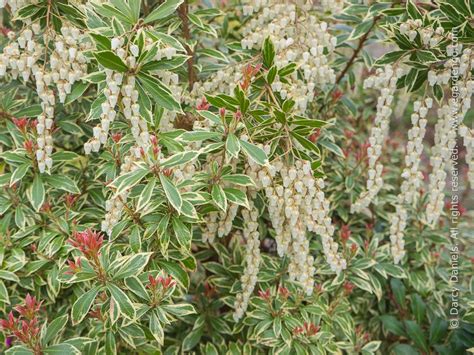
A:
[160,282]
[203,105]
[384,80]
[248,75]
[252,261]
[74,267]
[429,36]
[219,223]
[26,328]
[308,329]
[88,242]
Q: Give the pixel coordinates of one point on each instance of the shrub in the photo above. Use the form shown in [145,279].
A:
[236,177]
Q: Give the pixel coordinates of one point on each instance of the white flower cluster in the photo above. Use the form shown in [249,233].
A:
[113,82]
[67,64]
[468,137]
[333,6]
[252,260]
[19,57]
[114,206]
[296,204]
[298,39]
[445,140]
[429,36]
[384,80]
[411,175]
[219,223]
[451,116]
[397,231]
[112,91]
[301,40]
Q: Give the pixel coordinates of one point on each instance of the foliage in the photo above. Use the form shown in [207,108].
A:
[235,178]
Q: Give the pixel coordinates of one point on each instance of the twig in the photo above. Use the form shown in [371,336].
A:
[356,52]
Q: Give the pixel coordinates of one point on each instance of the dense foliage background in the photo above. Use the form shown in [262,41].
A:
[236,177]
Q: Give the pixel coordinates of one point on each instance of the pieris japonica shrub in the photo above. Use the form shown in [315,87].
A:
[236,177]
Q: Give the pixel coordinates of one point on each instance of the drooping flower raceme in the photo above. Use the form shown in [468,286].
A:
[252,260]
[384,80]
[411,175]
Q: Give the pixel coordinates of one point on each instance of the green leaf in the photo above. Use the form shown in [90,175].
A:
[418,308]
[179,310]
[18,350]
[253,152]
[61,349]
[37,193]
[182,233]
[361,29]
[9,276]
[81,307]
[146,194]
[134,284]
[415,333]
[77,91]
[236,196]
[218,196]
[398,289]
[392,325]
[110,60]
[29,111]
[179,159]
[438,330]
[122,301]
[159,92]
[62,182]
[19,173]
[405,349]
[239,179]
[171,192]
[110,344]
[164,10]
[177,271]
[232,145]
[128,180]
[55,328]
[268,53]
[213,53]
[133,265]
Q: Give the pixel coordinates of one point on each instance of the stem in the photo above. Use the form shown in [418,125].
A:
[356,52]
[183,15]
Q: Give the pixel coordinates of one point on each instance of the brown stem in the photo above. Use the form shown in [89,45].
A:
[183,15]
[356,52]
